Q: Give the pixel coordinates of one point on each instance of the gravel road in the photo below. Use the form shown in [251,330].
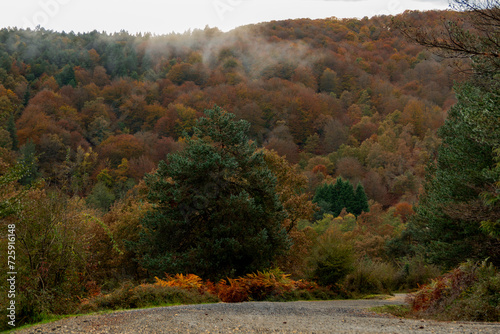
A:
[339,316]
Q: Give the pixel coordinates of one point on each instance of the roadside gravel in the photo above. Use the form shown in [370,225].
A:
[338,316]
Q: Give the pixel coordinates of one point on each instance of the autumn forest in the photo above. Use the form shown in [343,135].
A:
[338,157]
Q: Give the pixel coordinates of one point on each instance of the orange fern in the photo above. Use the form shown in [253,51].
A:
[189,281]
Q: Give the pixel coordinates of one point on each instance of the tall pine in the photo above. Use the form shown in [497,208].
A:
[360,200]
[447,224]
[11,128]
[216,212]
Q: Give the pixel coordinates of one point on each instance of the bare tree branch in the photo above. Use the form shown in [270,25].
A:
[473,32]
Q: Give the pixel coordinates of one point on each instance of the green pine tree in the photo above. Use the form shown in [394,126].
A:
[323,198]
[29,159]
[343,196]
[216,212]
[11,127]
[337,202]
[360,201]
[447,224]
[332,199]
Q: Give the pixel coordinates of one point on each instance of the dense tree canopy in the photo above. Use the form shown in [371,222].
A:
[353,90]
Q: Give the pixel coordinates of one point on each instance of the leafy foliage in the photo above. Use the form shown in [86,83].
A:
[331,258]
[127,96]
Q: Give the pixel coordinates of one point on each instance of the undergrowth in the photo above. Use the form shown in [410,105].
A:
[377,277]
[271,285]
[129,296]
[470,292]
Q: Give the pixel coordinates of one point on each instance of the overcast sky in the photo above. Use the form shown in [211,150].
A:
[165,16]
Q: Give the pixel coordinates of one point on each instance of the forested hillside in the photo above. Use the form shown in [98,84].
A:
[342,118]
[352,89]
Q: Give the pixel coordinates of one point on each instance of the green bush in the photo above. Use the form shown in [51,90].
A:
[51,256]
[334,266]
[371,277]
[331,258]
[414,272]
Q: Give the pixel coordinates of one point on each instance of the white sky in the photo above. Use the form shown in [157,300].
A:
[165,16]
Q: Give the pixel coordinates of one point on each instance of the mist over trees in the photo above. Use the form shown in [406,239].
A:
[351,89]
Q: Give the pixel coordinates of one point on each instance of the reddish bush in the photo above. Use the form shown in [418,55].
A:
[434,297]
[259,286]
[234,292]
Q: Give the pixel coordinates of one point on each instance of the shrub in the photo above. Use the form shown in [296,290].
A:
[371,277]
[470,292]
[437,295]
[267,285]
[334,266]
[145,295]
[481,303]
[181,281]
[331,258]
[52,253]
[190,289]
[232,291]
[414,273]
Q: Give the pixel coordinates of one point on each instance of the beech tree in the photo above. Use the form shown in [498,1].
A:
[216,211]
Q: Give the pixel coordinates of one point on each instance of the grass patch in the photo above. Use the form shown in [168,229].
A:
[401,311]
[377,297]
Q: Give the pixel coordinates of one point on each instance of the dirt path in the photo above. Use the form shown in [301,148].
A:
[339,316]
